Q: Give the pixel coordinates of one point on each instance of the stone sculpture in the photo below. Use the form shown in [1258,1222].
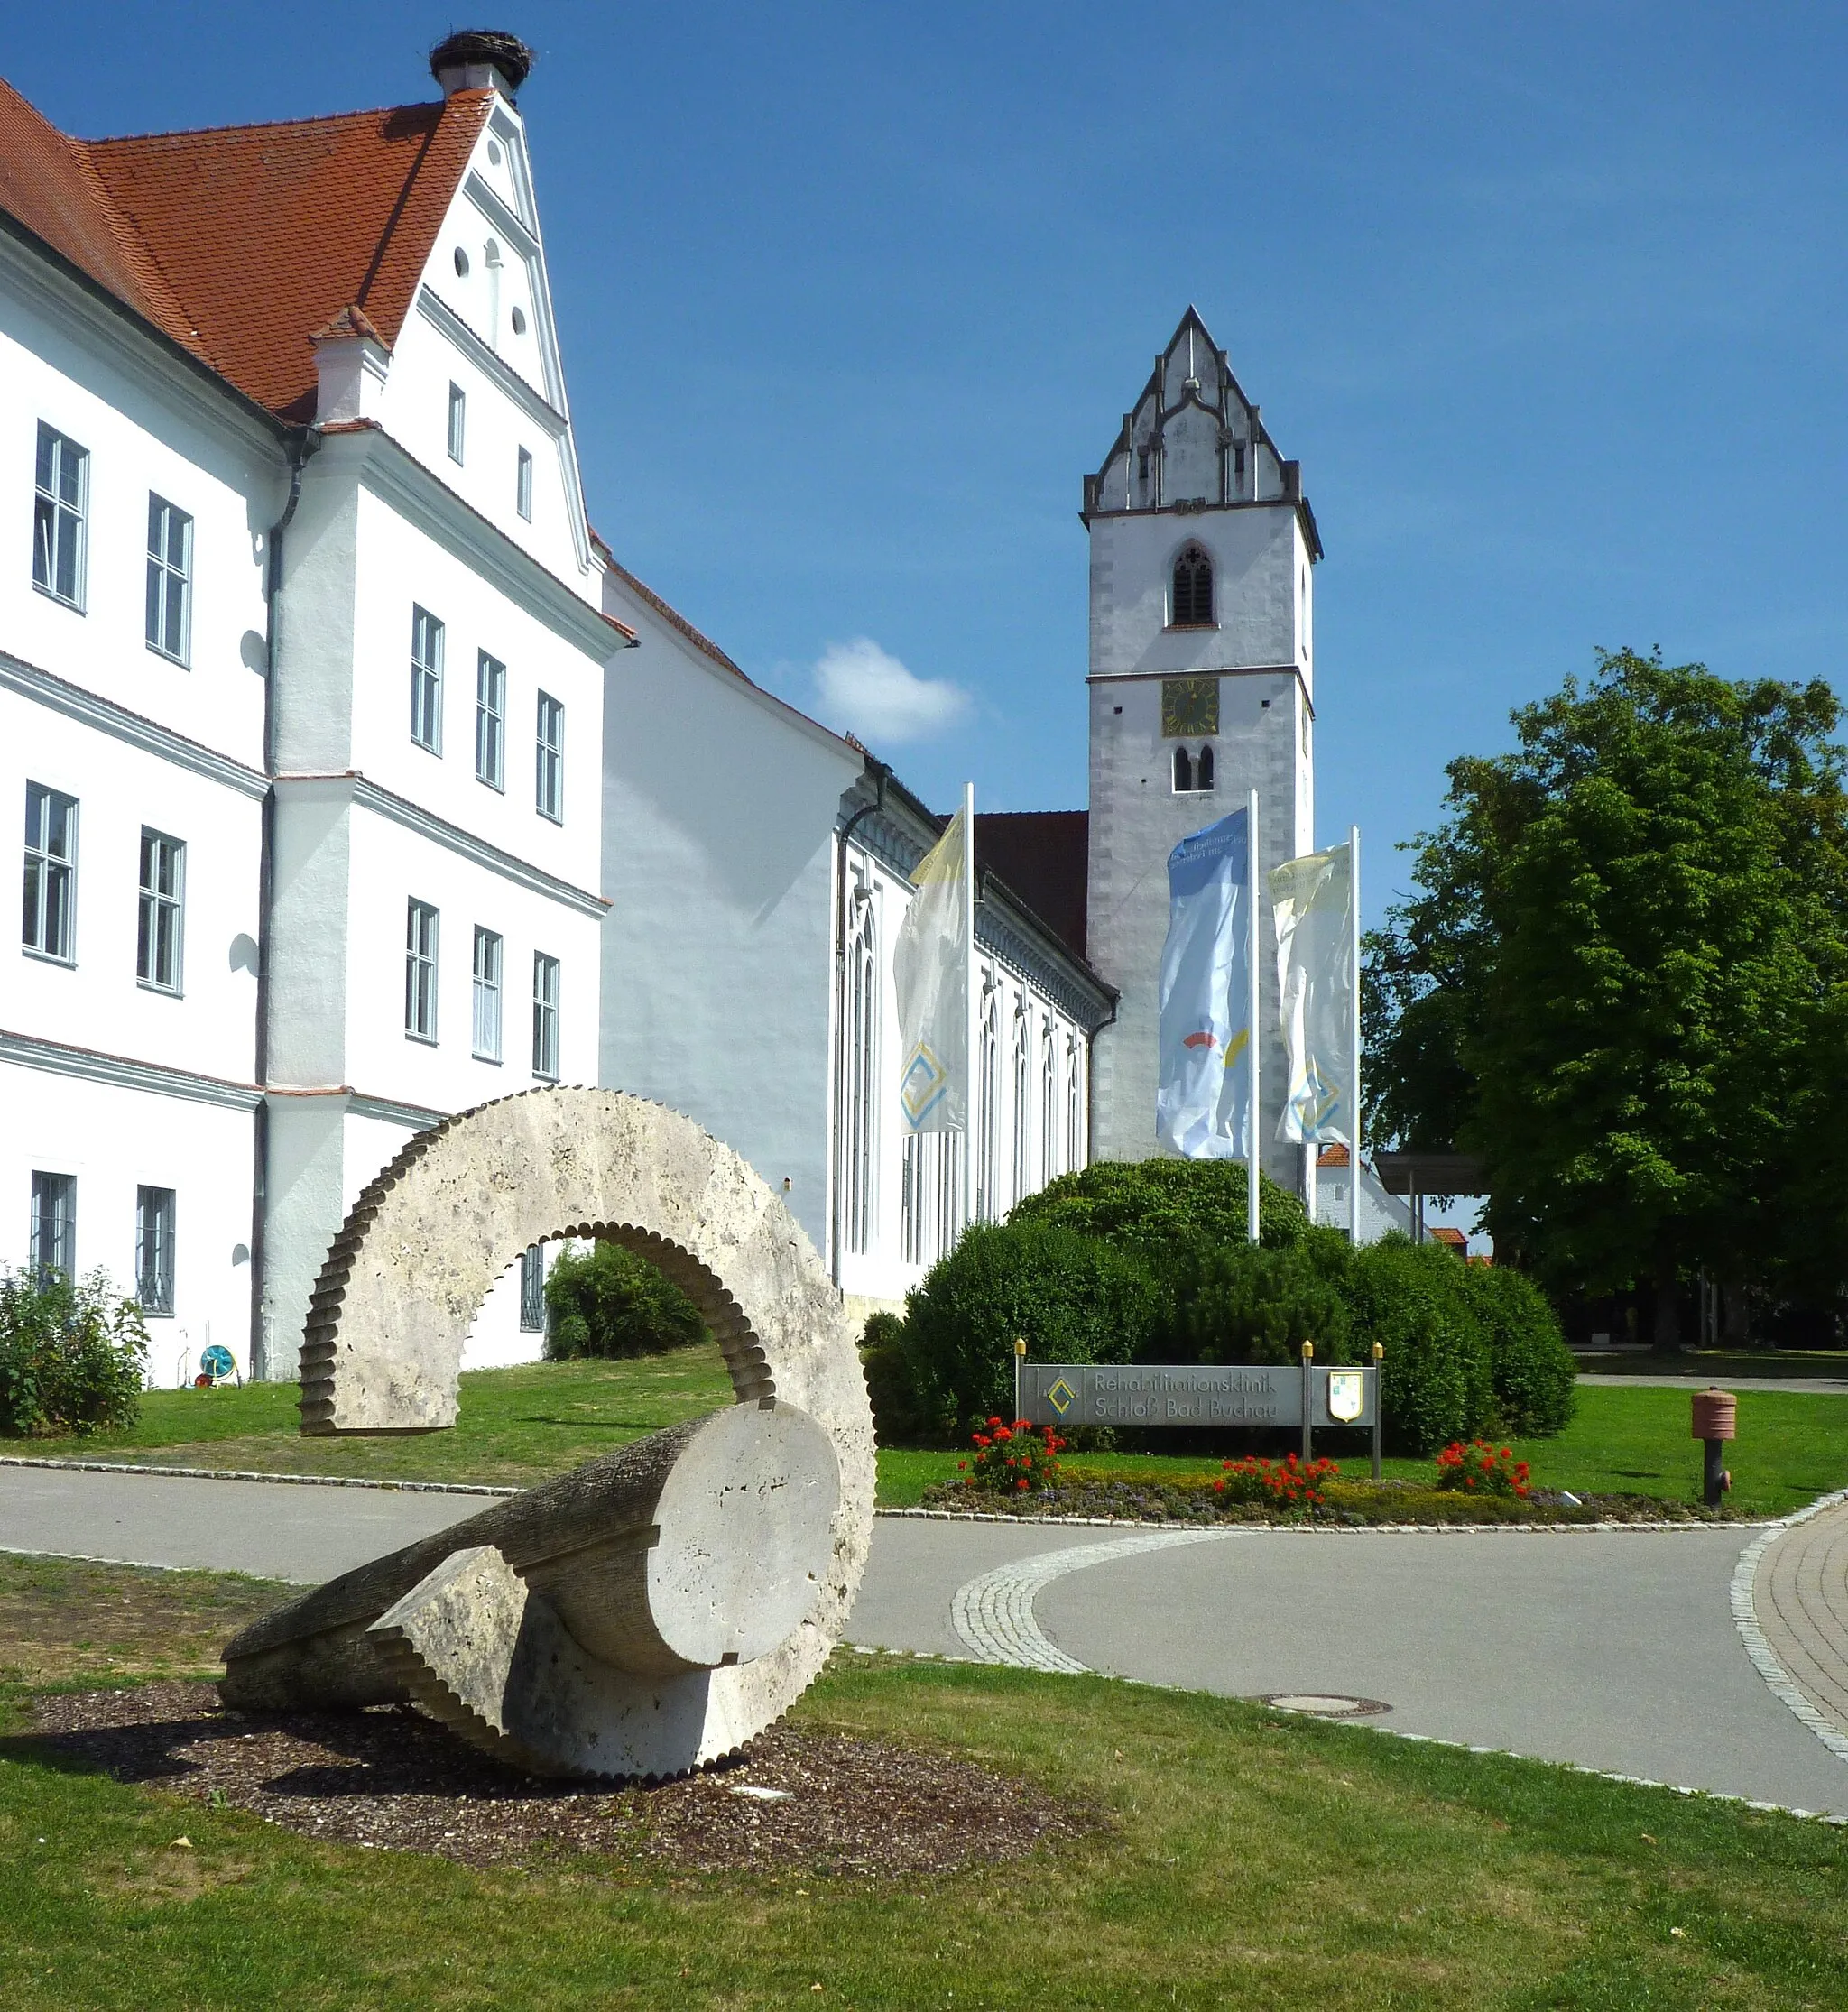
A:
[658,1608]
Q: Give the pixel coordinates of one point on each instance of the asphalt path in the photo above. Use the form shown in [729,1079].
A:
[1615,1650]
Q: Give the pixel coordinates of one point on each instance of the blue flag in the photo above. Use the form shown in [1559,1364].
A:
[1202,1098]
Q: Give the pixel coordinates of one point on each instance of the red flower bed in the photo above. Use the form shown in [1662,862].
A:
[1011,1460]
[1482,1468]
[1284,1484]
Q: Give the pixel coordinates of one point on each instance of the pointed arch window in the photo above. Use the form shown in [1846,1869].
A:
[1203,770]
[1023,1100]
[1193,774]
[1193,588]
[988,1155]
[862,1018]
[1048,1103]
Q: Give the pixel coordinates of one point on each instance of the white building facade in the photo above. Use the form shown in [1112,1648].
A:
[302,669]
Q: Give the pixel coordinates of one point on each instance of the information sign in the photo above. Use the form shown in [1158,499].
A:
[1195,1394]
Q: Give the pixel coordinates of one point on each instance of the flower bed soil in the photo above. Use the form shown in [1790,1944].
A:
[1352,1504]
[390,1778]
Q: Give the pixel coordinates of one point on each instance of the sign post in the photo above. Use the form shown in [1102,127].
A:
[1019,1358]
[1308,1402]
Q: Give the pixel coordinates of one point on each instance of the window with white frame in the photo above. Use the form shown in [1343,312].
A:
[545,1017]
[859,1093]
[988,1057]
[487,996]
[421,923]
[1048,1102]
[60,511]
[951,1148]
[154,1249]
[523,485]
[911,1198]
[426,680]
[490,721]
[169,580]
[548,777]
[49,927]
[532,1289]
[160,932]
[1023,1112]
[52,1240]
[1073,1105]
[458,420]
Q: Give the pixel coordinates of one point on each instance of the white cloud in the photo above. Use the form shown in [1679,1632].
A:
[868,691]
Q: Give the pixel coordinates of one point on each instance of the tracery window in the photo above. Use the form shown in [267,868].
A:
[1073,1105]
[861,1023]
[1022,1102]
[1193,589]
[1049,1103]
[988,1157]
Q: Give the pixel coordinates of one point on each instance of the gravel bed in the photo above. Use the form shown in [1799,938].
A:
[392,1779]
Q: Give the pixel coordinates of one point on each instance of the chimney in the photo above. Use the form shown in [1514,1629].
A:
[481,59]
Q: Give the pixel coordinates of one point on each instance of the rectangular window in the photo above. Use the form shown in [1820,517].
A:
[545,1016]
[532,1288]
[49,927]
[490,721]
[487,996]
[169,580]
[60,514]
[420,971]
[426,680]
[159,937]
[52,1245]
[549,780]
[154,1249]
[523,485]
[458,420]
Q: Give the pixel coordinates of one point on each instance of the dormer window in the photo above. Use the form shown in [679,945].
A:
[1193,589]
[458,420]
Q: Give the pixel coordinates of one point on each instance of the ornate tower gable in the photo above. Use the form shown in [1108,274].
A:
[1195,441]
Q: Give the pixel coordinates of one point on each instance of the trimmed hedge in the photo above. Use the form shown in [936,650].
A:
[1535,1378]
[608,1302]
[1245,1302]
[1437,1383]
[1156,1204]
[1073,1298]
[73,1355]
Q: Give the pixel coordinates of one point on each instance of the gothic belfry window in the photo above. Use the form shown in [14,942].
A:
[1203,770]
[1183,769]
[1193,589]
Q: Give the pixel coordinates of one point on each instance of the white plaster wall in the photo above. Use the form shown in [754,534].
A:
[113,1139]
[1254,552]
[143,434]
[717,953]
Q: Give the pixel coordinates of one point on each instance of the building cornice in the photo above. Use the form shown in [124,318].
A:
[1008,929]
[396,477]
[122,1072]
[366,795]
[1194,506]
[358,1104]
[91,709]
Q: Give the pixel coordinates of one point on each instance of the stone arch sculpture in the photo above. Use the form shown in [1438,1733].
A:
[656,1609]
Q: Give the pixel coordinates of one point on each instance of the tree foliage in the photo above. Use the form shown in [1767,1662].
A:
[607,1301]
[72,1354]
[1620,979]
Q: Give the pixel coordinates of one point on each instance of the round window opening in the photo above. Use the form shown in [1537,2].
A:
[494,154]
[461,263]
[519,322]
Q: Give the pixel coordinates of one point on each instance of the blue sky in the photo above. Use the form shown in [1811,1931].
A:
[1549,299]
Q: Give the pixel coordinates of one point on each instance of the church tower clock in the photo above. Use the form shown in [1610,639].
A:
[1202,689]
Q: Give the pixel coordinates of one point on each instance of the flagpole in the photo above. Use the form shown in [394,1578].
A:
[971,1006]
[1354,895]
[1255,1035]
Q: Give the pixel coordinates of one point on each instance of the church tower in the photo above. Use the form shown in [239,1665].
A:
[1201,688]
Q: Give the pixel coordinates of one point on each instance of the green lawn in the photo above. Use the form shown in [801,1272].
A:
[1248,1860]
[523,1425]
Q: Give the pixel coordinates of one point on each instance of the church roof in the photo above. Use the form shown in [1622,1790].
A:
[239,243]
[1043,856]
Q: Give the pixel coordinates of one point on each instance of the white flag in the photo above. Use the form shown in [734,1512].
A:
[1313,899]
[1203,1101]
[930,973]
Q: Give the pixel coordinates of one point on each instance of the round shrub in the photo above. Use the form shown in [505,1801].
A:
[1156,1204]
[1536,1380]
[1436,1384]
[895,1420]
[73,1355]
[1245,1302]
[1072,1298]
[608,1302]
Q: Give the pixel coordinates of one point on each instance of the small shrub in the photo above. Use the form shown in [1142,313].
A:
[1072,1298]
[1535,1378]
[1155,1204]
[607,1302]
[1011,1459]
[1280,1484]
[1437,1383]
[1246,1303]
[73,1355]
[895,1420]
[1481,1469]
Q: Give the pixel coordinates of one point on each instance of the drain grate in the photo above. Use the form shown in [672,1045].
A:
[1324,1704]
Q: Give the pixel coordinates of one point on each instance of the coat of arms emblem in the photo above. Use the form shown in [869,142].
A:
[1346,1394]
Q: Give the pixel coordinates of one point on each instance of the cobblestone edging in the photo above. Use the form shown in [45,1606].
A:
[1313,1529]
[1764,1658]
[242,1474]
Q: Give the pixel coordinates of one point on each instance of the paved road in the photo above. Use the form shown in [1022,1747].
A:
[1617,1650]
[1692,1380]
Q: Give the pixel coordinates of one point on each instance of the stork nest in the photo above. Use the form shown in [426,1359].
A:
[391,1779]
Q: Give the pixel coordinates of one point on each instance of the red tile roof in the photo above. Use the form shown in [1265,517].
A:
[1044,857]
[1332,1155]
[1456,1239]
[240,243]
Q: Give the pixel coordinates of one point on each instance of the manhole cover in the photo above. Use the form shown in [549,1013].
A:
[1324,1704]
